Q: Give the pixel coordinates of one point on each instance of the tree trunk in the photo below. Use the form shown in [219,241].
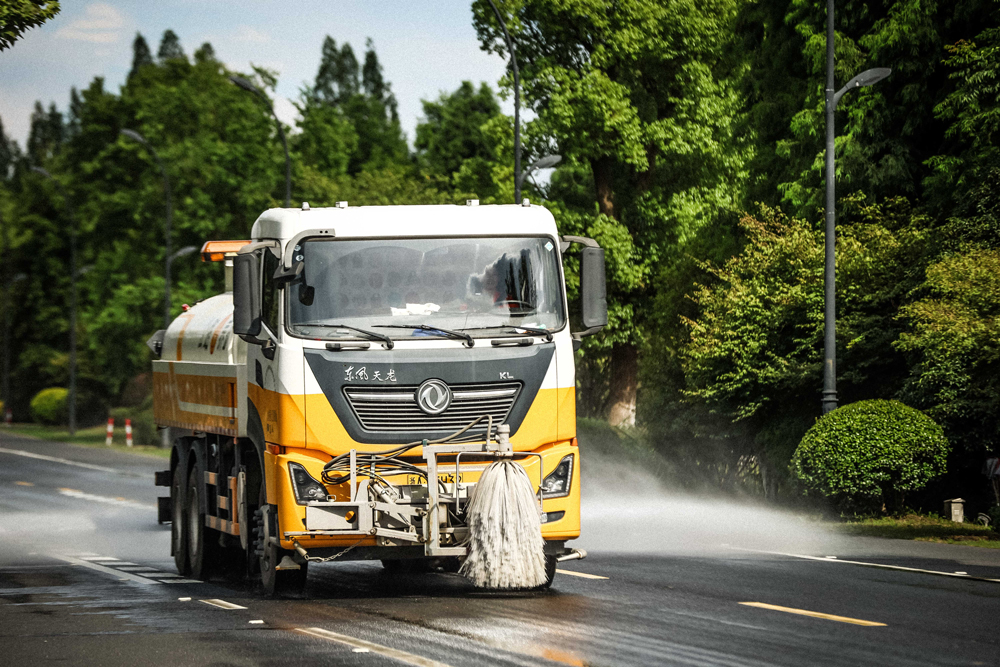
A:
[604,185]
[624,381]
[624,375]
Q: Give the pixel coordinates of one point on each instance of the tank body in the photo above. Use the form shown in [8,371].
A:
[195,379]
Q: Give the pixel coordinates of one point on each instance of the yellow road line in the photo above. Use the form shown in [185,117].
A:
[24,483]
[395,654]
[580,574]
[814,614]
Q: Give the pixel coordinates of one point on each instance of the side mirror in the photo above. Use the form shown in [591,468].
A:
[246,295]
[593,289]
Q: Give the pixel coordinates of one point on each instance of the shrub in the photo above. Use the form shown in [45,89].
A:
[870,453]
[49,406]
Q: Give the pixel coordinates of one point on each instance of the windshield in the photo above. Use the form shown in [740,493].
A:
[487,286]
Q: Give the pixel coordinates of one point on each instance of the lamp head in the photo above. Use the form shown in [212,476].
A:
[869,77]
[244,84]
[133,135]
[43,172]
[547,161]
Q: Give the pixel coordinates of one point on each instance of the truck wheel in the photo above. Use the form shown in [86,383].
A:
[550,573]
[178,525]
[277,582]
[203,543]
[396,566]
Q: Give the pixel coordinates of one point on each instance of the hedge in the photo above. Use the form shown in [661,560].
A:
[870,453]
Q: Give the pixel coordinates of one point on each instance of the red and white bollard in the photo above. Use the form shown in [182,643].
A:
[111,431]
[8,417]
[128,432]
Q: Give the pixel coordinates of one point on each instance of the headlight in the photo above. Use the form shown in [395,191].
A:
[556,485]
[305,487]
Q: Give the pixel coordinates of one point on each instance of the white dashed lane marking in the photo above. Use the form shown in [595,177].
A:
[53,459]
[127,570]
[883,566]
[222,604]
[107,500]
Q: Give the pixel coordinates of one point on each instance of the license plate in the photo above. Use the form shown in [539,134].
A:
[447,478]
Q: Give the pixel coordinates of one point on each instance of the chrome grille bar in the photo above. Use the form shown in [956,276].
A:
[395,408]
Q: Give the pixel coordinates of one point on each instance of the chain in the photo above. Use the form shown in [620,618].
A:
[318,559]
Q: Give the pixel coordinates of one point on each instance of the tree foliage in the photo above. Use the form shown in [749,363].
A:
[641,92]
[18,16]
[871,453]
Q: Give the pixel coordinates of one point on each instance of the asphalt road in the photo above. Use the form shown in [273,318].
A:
[86,578]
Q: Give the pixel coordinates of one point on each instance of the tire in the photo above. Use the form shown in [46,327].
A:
[277,583]
[203,549]
[397,566]
[550,573]
[178,523]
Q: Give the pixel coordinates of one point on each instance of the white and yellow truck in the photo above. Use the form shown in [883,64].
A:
[363,367]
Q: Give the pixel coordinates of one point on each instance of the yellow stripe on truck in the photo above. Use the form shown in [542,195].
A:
[282,416]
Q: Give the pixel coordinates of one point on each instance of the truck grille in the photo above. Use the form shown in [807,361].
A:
[395,408]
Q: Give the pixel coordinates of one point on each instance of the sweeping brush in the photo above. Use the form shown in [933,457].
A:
[506,549]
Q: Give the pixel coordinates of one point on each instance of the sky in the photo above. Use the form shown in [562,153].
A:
[425,47]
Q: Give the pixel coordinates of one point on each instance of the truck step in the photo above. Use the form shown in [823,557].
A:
[164,477]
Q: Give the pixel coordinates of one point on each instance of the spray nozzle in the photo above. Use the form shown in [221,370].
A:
[503,440]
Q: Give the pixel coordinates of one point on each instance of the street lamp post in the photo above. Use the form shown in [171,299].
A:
[517,105]
[135,136]
[541,163]
[866,78]
[249,87]
[73,295]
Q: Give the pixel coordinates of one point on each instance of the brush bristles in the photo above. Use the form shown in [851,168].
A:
[506,549]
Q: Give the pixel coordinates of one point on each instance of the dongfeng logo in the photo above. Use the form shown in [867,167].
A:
[433,397]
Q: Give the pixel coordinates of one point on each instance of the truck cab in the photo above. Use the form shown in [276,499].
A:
[342,398]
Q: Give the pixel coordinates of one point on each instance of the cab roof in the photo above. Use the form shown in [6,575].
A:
[401,221]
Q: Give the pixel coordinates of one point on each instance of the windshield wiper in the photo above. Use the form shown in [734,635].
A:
[469,340]
[517,328]
[374,335]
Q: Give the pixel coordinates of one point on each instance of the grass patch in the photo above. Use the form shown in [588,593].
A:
[86,437]
[926,528]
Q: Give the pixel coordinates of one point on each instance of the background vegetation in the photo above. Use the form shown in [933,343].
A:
[691,133]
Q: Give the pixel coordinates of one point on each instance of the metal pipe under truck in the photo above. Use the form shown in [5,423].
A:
[363,367]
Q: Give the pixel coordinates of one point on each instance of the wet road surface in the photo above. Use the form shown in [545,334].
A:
[86,578]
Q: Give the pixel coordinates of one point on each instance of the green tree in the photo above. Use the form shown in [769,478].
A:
[225,166]
[641,92]
[205,53]
[364,99]
[755,347]
[887,133]
[18,16]
[972,111]
[170,48]
[453,139]
[141,55]
[46,134]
